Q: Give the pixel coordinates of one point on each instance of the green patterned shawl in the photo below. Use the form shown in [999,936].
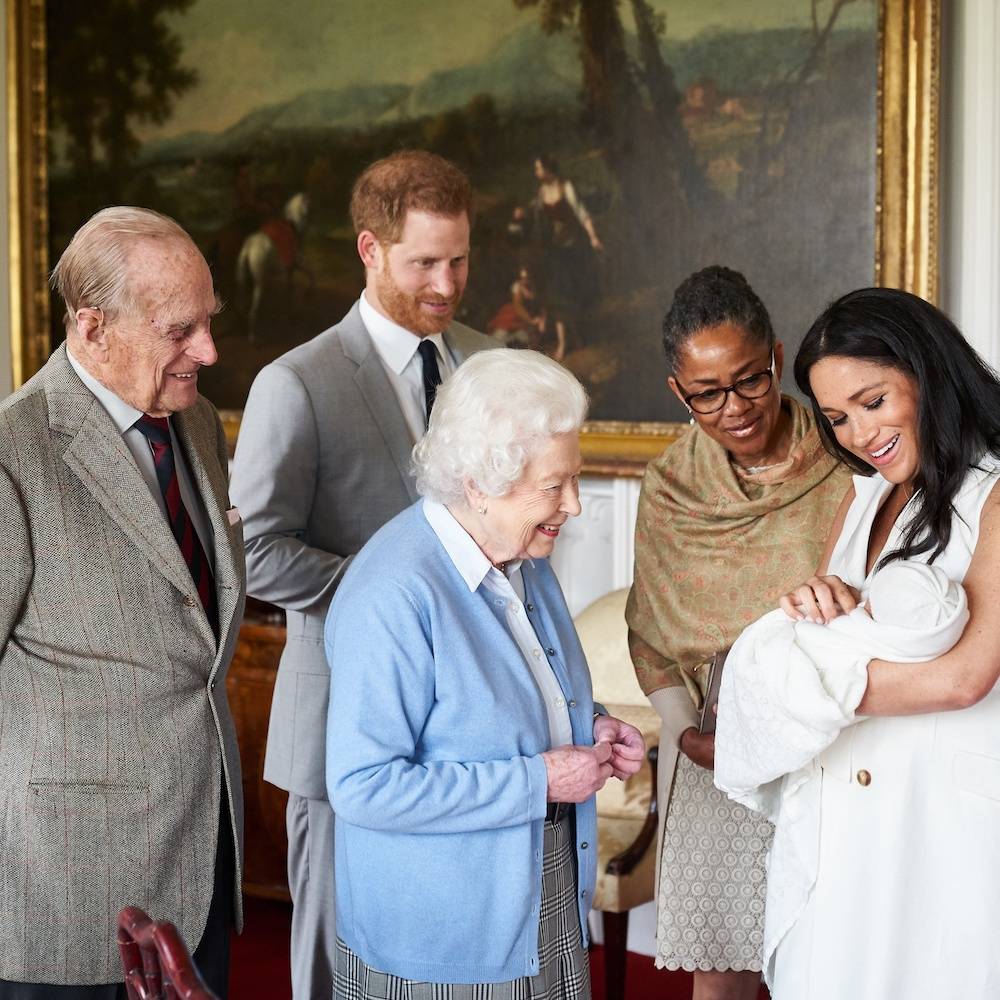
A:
[716,546]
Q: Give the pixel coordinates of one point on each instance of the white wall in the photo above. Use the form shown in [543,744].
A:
[970,195]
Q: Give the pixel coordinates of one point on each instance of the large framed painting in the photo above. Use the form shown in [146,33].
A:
[616,146]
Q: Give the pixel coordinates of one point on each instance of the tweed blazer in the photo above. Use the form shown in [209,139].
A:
[116,740]
[322,462]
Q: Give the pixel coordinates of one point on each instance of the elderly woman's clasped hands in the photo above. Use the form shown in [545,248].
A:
[576,772]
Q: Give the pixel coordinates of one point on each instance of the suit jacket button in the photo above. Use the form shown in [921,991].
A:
[189,602]
[864,778]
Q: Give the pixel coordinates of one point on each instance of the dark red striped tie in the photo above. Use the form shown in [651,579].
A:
[157,432]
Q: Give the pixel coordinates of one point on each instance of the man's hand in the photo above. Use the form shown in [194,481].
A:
[575,773]
[627,745]
[699,747]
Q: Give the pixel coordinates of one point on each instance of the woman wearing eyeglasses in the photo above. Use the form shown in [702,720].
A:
[729,518]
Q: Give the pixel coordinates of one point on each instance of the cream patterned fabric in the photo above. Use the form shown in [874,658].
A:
[710,908]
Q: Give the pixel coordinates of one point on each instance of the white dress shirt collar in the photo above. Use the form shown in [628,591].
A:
[122,414]
[395,344]
[468,557]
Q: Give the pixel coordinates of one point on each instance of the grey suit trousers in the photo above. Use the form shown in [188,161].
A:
[310,881]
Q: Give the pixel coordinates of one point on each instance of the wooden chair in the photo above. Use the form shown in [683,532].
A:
[156,962]
[626,811]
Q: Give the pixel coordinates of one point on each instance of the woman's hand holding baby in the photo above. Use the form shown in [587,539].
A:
[820,599]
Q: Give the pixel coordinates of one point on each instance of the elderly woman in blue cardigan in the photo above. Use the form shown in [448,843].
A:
[463,744]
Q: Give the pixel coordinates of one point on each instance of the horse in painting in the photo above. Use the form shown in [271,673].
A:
[272,252]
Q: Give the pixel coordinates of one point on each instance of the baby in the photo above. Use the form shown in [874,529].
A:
[790,687]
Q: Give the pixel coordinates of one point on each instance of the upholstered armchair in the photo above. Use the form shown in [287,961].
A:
[626,811]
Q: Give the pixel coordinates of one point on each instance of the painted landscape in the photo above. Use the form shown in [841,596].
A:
[615,147]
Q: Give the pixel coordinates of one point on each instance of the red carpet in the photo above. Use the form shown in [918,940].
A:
[260,963]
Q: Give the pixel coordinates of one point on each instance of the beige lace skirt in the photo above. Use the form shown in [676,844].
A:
[710,910]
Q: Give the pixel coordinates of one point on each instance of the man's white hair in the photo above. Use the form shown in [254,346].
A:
[93,269]
[490,418]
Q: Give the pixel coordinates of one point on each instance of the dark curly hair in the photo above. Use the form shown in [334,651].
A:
[707,298]
[958,408]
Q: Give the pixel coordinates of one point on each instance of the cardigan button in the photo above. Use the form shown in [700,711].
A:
[550,651]
[529,607]
[584,846]
[572,703]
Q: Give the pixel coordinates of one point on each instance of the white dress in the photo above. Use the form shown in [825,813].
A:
[906,904]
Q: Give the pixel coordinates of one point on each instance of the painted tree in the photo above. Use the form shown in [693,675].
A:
[632,105]
[112,64]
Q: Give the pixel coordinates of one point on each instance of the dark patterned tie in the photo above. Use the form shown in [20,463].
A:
[432,374]
[157,432]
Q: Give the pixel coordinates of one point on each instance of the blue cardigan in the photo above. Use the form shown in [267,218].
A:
[433,766]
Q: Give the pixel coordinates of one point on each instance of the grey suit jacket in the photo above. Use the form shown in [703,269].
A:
[116,741]
[322,462]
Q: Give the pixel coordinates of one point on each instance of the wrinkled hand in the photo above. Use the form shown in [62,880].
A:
[820,599]
[575,773]
[627,745]
[699,747]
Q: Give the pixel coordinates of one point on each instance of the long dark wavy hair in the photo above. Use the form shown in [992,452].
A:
[958,408]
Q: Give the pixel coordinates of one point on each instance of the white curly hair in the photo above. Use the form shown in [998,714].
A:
[490,417]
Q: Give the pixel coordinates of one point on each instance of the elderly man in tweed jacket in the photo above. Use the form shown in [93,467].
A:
[121,595]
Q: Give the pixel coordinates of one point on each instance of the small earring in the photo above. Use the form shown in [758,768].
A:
[481,508]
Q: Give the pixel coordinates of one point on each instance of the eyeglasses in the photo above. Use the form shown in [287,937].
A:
[750,387]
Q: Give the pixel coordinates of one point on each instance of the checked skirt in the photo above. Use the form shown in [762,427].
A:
[564,972]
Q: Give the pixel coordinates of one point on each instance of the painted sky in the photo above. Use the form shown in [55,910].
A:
[251,53]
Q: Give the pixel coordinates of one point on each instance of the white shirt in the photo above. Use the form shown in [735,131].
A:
[506,592]
[397,350]
[124,416]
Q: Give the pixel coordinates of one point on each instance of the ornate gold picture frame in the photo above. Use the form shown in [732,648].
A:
[904,169]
